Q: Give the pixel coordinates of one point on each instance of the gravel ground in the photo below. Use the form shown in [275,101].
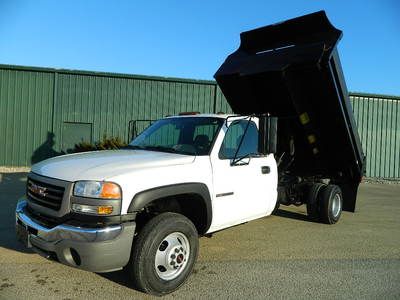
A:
[283,256]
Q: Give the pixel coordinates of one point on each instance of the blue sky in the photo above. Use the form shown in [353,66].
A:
[190,38]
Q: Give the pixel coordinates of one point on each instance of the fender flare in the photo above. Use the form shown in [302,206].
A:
[141,199]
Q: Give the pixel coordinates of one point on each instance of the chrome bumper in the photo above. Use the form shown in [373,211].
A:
[63,232]
[92,249]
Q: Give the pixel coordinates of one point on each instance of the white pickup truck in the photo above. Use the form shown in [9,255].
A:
[147,204]
[185,176]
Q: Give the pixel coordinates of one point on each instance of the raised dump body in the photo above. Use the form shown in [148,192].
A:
[292,70]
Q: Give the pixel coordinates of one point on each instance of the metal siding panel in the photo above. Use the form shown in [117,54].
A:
[120,108]
[372,148]
[381,145]
[192,98]
[149,102]
[184,103]
[389,137]
[176,99]
[378,124]
[395,128]
[367,140]
[365,126]
[377,138]
[4,98]
[385,142]
[3,111]
[184,96]
[394,139]
[111,99]
[169,98]
[369,150]
[7,107]
[24,110]
[396,146]
[97,103]
[385,148]
[221,103]
[159,97]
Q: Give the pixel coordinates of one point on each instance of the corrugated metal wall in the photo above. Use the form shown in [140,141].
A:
[26,109]
[378,122]
[40,109]
[110,103]
[44,111]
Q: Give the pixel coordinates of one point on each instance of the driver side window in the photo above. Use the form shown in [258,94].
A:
[233,137]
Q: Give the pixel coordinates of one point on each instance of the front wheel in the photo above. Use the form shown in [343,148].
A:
[164,254]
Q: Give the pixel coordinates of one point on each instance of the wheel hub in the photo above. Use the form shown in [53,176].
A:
[176,256]
[172,256]
[336,205]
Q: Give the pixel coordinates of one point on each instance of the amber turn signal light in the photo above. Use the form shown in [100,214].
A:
[110,191]
[104,210]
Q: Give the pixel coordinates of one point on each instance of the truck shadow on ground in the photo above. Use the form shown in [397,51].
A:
[12,187]
[293,215]
[120,277]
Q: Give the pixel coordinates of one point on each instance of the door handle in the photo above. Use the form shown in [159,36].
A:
[265,169]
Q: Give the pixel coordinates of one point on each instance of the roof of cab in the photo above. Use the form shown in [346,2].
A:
[221,116]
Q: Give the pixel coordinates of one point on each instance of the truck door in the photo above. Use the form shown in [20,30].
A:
[244,190]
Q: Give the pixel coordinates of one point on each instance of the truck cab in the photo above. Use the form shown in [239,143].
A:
[88,210]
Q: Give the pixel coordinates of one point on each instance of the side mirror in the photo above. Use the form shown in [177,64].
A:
[267,134]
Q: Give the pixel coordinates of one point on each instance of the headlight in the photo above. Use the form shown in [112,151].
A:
[97,189]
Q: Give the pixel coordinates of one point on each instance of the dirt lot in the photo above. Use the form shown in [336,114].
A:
[284,256]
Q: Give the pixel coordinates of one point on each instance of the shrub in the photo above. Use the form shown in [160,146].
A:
[106,143]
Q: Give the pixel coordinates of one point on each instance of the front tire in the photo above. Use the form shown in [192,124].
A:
[276,208]
[164,253]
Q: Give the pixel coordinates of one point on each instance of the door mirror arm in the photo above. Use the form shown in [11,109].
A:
[235,159]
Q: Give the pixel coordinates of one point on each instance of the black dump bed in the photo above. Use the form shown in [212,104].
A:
[292,70]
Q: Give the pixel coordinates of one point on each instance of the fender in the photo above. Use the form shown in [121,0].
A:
[141,199]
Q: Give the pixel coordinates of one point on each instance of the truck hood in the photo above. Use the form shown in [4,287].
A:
[100,165]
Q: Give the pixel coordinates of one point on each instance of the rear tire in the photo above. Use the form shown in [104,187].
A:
[163,254]
[330,204]
[312,200]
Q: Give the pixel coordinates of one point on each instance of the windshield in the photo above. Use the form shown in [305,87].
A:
[183,135]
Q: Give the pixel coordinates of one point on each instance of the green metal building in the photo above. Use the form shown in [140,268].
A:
[44,112]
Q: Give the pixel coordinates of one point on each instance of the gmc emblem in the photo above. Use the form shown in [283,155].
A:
[38,189]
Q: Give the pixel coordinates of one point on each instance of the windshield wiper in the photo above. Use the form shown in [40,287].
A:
[159,148]
[168,149]
[133,147]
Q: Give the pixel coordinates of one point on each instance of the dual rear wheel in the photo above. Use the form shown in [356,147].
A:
[325,203]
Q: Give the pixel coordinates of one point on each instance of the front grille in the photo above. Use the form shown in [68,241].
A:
[42,219]
[45,194]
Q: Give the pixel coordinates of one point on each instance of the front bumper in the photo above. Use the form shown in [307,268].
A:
[92,249]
